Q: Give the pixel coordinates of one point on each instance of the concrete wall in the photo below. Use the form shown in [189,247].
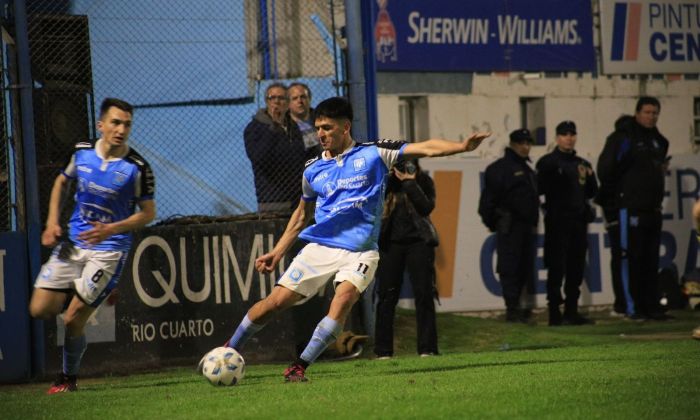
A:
[593,103]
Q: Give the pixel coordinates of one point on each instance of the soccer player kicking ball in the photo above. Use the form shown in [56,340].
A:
[346,186]
[111,179]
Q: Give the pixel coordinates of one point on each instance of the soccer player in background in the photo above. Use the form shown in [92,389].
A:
[346,187]
[111,180]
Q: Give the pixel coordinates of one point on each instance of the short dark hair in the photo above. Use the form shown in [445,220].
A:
[275,85]
[647,100]
[107,103]
[303,85]
[335,108]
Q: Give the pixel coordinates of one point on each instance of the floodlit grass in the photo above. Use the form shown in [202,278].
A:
[488,369]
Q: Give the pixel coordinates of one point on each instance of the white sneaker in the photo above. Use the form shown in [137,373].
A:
[427,354]
[615,314]
[384,358]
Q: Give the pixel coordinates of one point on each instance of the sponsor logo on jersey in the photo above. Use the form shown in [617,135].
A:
[83,168]
[101,190]
[320,177]
[353,182]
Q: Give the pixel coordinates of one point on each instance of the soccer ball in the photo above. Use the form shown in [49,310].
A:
[223,366]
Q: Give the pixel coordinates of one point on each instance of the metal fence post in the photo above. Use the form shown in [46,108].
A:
[30,173]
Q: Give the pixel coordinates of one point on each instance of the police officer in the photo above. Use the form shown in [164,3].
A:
[567,183]
[509,206]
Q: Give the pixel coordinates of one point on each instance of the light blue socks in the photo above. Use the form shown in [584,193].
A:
[325,333]
[246,329]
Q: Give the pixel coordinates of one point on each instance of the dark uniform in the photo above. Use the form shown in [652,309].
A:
[567,183]
[509,206]
[632,170]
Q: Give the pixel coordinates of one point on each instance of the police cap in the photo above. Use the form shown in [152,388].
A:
[566,127]
[521,135]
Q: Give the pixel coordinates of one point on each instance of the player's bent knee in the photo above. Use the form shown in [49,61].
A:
[41,313]
[43,310]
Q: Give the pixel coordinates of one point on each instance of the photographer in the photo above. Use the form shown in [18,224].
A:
[407,242]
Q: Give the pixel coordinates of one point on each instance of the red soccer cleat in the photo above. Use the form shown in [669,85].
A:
[63,383]
[295,373]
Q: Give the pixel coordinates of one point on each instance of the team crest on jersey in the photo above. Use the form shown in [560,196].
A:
[359,164]
[296,274]
[329,188]
[119,179]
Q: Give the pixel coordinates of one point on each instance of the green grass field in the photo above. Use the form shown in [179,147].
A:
[488,369]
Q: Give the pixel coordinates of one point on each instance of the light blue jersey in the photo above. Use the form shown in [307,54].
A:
[349,193]
[106,191]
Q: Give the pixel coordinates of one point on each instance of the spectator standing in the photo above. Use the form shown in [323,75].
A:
[606,200]
[302,113]
[567,183]
[509,206]
[276,151]
[632,169]
[407,243]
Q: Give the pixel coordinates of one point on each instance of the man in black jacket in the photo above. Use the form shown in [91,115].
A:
[632,169]
[274,145]
[509,206]
[567,183]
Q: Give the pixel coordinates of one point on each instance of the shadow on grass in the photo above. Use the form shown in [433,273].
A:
[497,364]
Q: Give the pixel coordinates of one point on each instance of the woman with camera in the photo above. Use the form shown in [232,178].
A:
[407,243]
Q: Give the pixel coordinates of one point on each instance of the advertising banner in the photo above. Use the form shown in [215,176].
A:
[657,36]
[183,291]
[484,35]
[466,257]
[15,360]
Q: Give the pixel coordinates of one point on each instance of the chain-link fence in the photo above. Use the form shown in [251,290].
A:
[198,74]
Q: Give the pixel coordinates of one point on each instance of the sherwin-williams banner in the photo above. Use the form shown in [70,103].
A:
[650,36]
[484,35]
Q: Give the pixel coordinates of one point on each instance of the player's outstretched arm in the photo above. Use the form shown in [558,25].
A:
[439,147]
[101,231]
[302,214]
[53,231]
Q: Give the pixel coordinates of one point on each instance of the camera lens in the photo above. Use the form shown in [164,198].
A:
[410,168]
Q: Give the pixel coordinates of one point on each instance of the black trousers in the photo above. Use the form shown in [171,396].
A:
[516,261]
[419,260]
[640,241]
[612,226]
[565,246]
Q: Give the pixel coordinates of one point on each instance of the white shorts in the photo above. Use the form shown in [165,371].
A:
[91,274]
[315,264]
